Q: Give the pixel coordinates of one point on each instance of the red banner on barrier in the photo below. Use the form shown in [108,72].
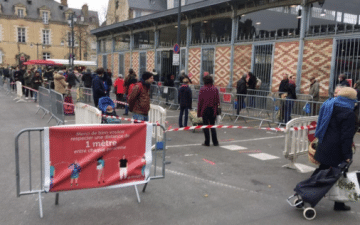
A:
[93,156]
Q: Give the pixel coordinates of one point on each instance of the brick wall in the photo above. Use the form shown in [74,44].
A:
[150,61]
[222,65]
[194,64]
[242,61]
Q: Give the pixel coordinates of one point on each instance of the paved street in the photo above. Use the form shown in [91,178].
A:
[240,182]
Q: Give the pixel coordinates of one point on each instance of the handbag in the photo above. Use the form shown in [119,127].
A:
[218,111]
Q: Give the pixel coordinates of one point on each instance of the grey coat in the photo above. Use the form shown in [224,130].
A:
[314,91]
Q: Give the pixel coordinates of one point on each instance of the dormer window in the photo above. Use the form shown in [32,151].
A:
[20,13]
[45,17]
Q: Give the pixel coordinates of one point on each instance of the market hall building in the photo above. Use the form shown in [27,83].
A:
[228,38]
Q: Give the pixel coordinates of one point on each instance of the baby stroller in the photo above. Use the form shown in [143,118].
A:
[107,107]
[335,183]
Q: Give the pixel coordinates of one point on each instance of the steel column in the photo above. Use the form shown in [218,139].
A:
[235,22]
[131,47]
[188,42]
[156,44]
[304,12]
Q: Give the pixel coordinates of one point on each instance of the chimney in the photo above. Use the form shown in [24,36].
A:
[64,2]
[85,10]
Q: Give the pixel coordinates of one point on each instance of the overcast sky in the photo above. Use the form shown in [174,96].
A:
[95,5]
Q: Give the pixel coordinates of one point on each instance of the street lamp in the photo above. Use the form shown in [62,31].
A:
[177,80]
[37,49]
[72,20]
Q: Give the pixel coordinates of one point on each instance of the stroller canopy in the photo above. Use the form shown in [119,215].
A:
[104,102]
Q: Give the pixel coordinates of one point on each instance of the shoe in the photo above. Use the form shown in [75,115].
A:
[203,144]
[26,98]
[216,144]
[339,206]
[125,114]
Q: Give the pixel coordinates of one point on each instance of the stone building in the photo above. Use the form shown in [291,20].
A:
[228,38]
[39,29]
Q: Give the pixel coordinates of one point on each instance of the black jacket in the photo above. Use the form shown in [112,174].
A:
[87,79]
[36,82]
[252,82]
[185,96]
[98,88]
[241,87]
[283,84]
[336,145]
[291,91]
[71,78]
[49,75]
[344,83]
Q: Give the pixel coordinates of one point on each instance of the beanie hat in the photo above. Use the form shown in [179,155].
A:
[348,92]
[146,75]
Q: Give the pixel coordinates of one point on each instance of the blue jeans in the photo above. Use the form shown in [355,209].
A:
[35,96]
[182,110]
[126,109]
[288,107]
[140,117]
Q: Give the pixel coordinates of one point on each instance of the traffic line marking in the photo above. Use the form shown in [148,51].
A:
[233,147]
[263,156]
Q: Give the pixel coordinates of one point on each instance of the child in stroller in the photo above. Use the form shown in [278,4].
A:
[107,107]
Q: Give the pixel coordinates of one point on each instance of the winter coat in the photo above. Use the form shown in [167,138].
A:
[98,88]
[60,83]
[344,83]
[49,75]
[208,97]
[185,96]
[283,84]
[28,78]
[314,91]
[107,79]
[36,82]
[252,82]
[241,87]
[71,79]
[130,79]
[87,79]
[336,145]
[18,76]
[291,91]
[119,85]
[139,99]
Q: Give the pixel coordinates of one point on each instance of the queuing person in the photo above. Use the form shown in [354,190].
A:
[72,79]
[185,101]
[36,81]
[284,82]
[60,85]
[107,79]
[183,75]
[208,104]
[282,95]
[314,92]
[343,81]
[291,95]
[251,81]
[129,80]
[98,87]
[28,82]
[139,98]
[335,131]
[241,90]
[49,76]
[119,89]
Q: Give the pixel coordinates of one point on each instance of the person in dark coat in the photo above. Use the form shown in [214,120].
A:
[241,90]
[208,103]
[36,83]
[335,131]
[291,96]
[129,80]
[343,81]
[107,81]
[283,84]
[87,79]
[98,86]
[185,101]
[72,79]
[251,81]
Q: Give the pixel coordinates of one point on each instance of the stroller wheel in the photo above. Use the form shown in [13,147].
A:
[299,203]
[309,213]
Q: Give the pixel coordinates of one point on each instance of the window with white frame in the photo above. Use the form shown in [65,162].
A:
[46,55]
[45,17]
[21,34]
[20,13]
[46,37]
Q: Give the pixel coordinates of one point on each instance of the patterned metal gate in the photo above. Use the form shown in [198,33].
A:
[165,65]
[104,59]
[207,62]
[121,64]
[262,64]
[347,59]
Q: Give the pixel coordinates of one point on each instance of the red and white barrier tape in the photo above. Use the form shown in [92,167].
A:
[121,103]
[129,119]
[30,89]
[239,127]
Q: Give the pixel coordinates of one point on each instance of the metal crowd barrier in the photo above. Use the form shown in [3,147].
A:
[1,83]
[155,94]
[169,96]
[30,163]
[57,107]
[44,100]
[157,114]
[86,114]
[19,92]
[259,92]
[8,86]
[84,95]
[296,142]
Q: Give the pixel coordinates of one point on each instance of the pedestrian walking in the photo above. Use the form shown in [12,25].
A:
[185,101]
[60,84]
[335,131]
[208,104]
[291,96]
[119,90]
[139,98]
[98,87]
[241,90]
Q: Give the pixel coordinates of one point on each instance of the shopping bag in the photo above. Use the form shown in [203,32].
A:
[346,189]
[306,108]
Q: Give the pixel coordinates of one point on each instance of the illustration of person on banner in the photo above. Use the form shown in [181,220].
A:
[123,165]
[76,169]
[100,168]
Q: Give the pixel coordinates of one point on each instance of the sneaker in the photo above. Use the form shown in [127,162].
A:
[26,98]
[339,206]
[203,144]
